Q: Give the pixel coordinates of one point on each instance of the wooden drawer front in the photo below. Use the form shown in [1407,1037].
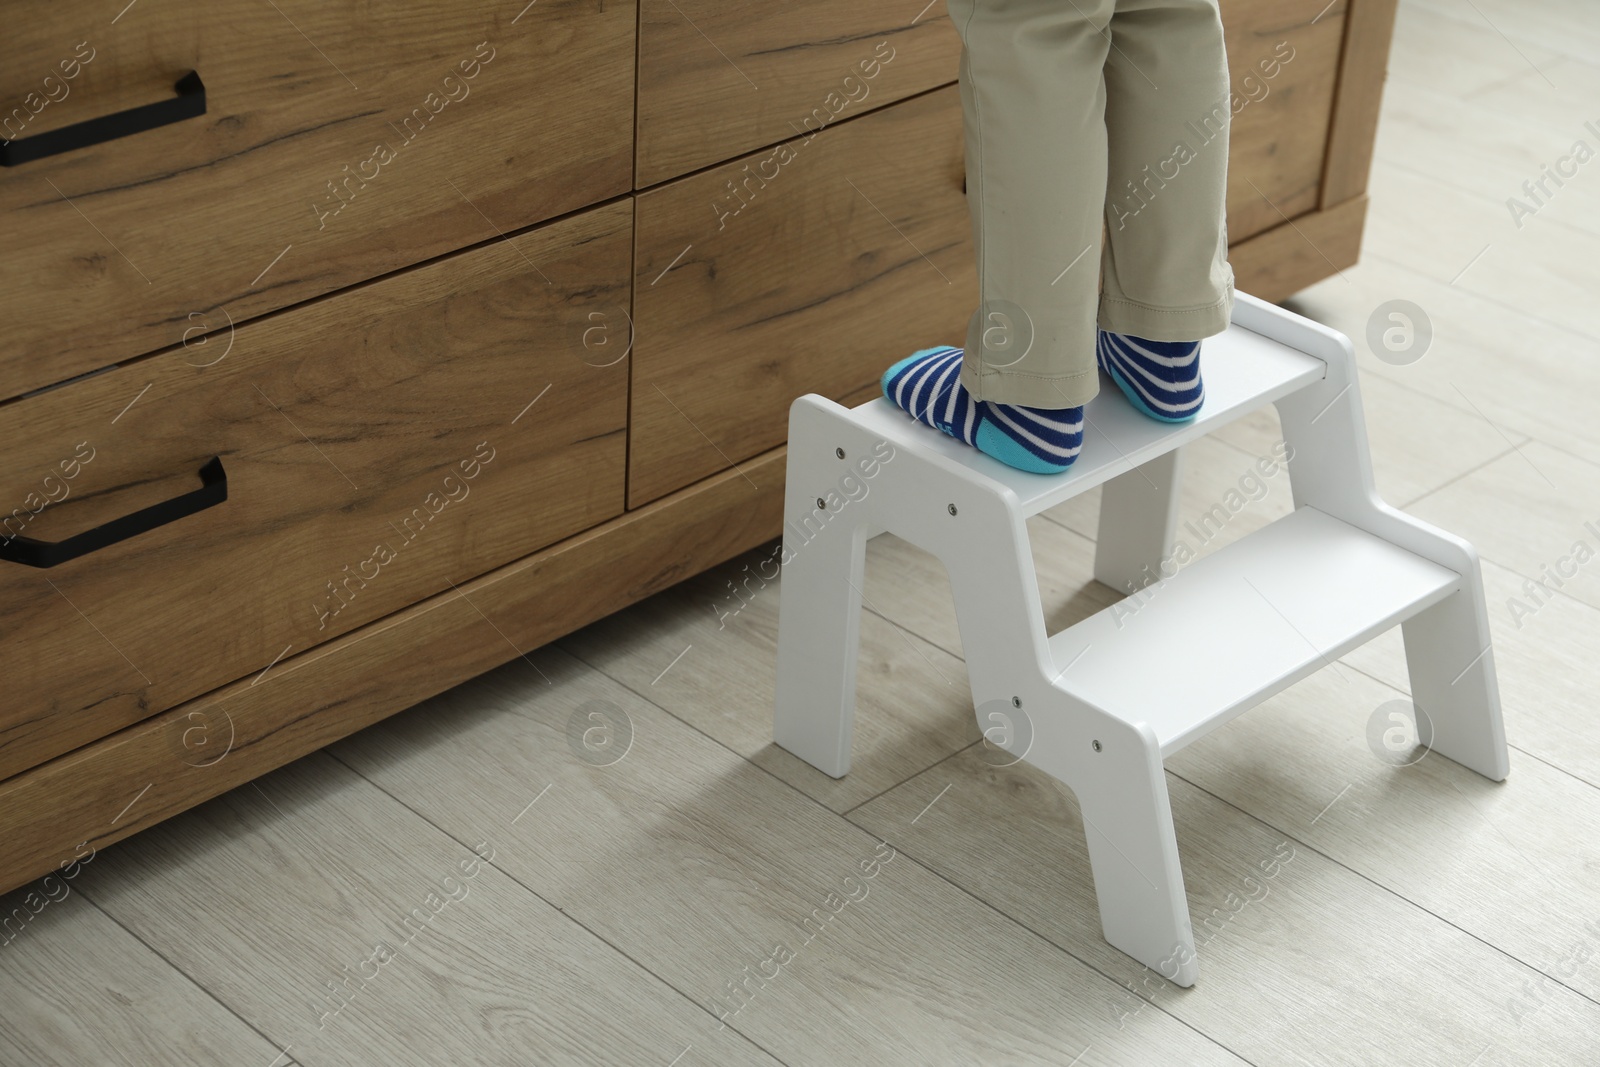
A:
[134,244]
[1283,68]
[717,78]
[379,447]
[845,261]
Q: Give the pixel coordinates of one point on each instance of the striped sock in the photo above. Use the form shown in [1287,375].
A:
[927,386]
[1160,378]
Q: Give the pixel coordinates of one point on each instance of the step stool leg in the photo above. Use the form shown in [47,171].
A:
[1138,523]
[1447,645]
[818,638]
[1134,854]
[1453,681]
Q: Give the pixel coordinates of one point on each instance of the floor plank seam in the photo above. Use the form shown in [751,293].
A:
[807,798]
[559,910]
[1492,32]
[1454,479]
[1485,297]
[1386,889]
[1060,947]
[187,977]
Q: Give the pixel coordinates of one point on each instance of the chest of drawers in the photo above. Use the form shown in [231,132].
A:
[350,353]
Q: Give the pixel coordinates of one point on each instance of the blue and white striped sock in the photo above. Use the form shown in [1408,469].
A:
[927,386]
[1160,378]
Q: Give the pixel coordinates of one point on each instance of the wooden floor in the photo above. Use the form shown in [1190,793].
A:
[337,913]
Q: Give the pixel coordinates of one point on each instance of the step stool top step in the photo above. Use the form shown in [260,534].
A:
[1243,623]
[1242,371]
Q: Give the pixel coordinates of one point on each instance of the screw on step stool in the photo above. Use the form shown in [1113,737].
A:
[1016,702]
[822,505]
[839,452]
[951,508]
[1096,745]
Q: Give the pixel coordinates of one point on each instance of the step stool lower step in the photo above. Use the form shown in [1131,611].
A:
[1231,629]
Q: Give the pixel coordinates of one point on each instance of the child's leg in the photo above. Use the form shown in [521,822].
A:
[1034,113]
[1167,282]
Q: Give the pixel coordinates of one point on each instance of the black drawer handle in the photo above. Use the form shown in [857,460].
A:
[190,102]
[30,553]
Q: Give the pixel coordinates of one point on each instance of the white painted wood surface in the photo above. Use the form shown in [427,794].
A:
[1346,564]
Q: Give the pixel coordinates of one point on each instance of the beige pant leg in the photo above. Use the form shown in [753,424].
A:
[1033,104]
[1168,112]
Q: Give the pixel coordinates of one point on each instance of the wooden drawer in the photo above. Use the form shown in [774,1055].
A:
[380,446]
[1281,109]
[137,243]
[845,261]
[717,79]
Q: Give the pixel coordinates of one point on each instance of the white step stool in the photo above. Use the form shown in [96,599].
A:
[1106,703]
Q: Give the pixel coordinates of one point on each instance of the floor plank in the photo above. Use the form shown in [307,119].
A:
[1519,375]
[1565,26]
[1212,470]
[1301,960]
[1483,856]
[1535,510]
[702,867]
[78,989]
[350,930]
[1458,238]
[1544,655]
[1418,444]
[912,587]
[1436,46]
[1490,154]
[706,650]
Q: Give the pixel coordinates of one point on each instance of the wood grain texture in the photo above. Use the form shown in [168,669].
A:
[912,588]
[1279,132]
[1546,501]
[728,299]
[1212,469]
[79,989]
[1300,957]
[1536,373]
[718,79]
[1280,262]
[107,790]
[1472,852]
[696,864]
[141,242]
[474,963]
[706,651]
[1547,693]
[841,262]
[1418,444]
[1369,28]
[375,456]
[1441,230]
